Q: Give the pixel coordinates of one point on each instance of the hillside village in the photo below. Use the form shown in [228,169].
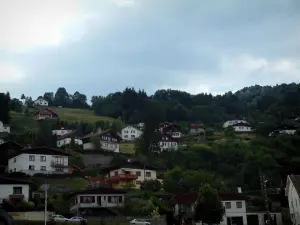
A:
[113,169]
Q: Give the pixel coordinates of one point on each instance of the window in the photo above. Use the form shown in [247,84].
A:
[31,167]
[133,131]
[125,136]
[87,199]
[126,131]
[15,160]
[132,136]
[43,168]
[17,190]
[120,199]
[138,173]
[239,205]
[31,158]
[59,169]
[109,199]
[43,158]
[228,205]
[148,174]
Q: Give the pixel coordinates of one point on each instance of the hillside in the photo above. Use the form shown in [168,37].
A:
[22,122]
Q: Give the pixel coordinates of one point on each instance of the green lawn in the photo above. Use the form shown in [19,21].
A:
[75,183]
[127,147]
[20,122]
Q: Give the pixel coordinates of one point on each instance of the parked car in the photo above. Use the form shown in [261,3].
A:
[59,218]
[77,219]
[139,222]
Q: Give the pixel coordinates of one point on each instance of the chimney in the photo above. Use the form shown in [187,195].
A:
[239,189]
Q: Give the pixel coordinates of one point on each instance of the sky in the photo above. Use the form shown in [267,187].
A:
[98,47]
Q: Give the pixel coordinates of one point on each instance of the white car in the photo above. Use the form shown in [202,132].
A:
[59,218]
[139,222]
[77,219]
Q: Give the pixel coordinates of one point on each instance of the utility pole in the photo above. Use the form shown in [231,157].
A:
[265,195]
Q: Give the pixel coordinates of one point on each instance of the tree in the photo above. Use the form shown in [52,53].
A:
[23,98]
[61,97]
[151,185]
[49,97]
[209,208]
[4,107]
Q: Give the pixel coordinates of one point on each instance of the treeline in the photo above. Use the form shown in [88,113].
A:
[271,105]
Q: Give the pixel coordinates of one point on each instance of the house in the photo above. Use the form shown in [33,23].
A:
[66,139]
[96,202]
[172,130]
[141,126]
[14,190]
[39,160]
[44,114]
[109,141]
[4,128]
[197,128]
[130,173]
[285,129]
[40,102]
[7,150]
[232,122]
[242,127]
[130,133]
[292,191]
[168,143]
[61,131]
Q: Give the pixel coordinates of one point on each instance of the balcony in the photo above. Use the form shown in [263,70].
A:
[16,196]
[58,164]
[122,177]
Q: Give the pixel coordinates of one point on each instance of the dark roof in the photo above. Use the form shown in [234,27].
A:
[100,133]
[7,143]
[190,198]
[74,133]
[42,150]
[130,165]
[241,124]
[5,180]
[48,111]
[101,190]
[296,182]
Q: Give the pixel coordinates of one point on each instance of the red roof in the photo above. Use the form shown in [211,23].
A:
[97,179]
[197,125]
[190,198]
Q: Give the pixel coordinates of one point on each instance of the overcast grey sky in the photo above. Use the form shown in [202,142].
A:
[101,46]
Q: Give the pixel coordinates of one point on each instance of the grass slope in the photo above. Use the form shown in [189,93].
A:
[127,147]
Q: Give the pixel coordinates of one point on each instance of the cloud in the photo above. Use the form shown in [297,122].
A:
[100,47]
[9,74]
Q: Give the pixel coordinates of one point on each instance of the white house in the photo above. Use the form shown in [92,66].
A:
[61,131]
[41,102]
[168,143]
[94,199]
[285,129]
[242,127]
[11,189]
[39,160]
[4,128]
[130,133]
[232,122]
[292,191]
[66,139]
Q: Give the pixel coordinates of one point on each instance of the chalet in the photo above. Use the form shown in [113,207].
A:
[14,190]
[66,139]
[40,102]
[242,127]
[130,133]
[45,114]
[284,129]
[197,128]
[39,160]
[4,128]
[61,131]
[7,150]
[232,122]
[172,130]
[96,202]
[292,191]
[130,173]
[109,141]
[168,143]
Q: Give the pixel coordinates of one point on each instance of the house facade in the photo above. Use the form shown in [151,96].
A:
[13,190]
[168,143]
[45,114]
[242,127]
[7,150]
[88,201]
[232,122]
[41,102]
[4,128]
[39,160]
[292,191]
[197,128]
[61,131]
[286,129]
[130,133]
[65,140]
[131,173]
[108,140]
